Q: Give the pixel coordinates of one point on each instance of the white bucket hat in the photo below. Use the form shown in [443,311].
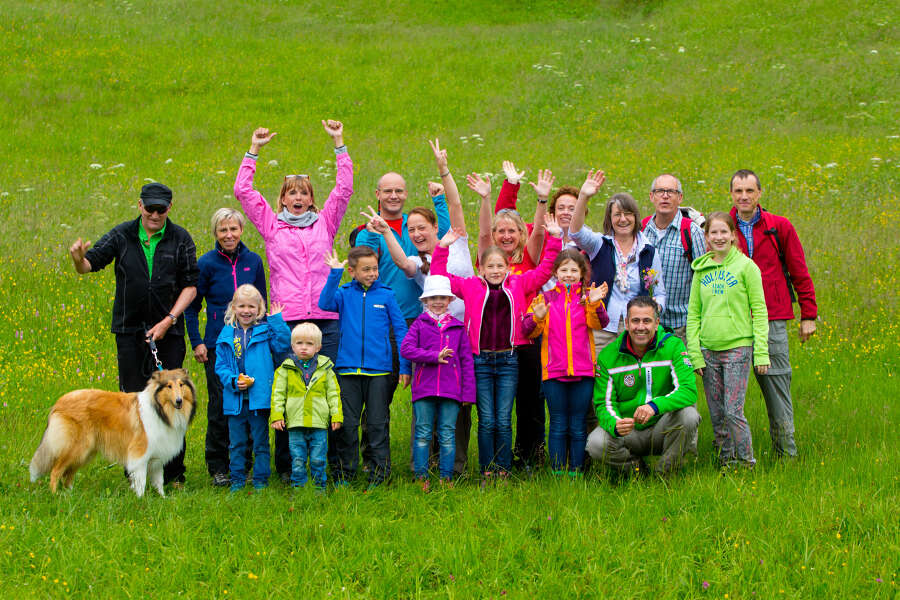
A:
[436,285]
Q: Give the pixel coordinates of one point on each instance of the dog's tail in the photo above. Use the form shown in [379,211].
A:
[48,450]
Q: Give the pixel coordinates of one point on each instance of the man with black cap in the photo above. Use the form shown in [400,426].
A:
[156,278]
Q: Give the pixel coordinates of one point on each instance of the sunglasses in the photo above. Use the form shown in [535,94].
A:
[157,209]
[301,176]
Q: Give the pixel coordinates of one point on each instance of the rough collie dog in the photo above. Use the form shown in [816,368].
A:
[141,431]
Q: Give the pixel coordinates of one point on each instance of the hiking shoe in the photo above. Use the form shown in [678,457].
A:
[221,480]
[285,478]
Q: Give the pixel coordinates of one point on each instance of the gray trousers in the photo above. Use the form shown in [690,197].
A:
[670,438]
[776,390]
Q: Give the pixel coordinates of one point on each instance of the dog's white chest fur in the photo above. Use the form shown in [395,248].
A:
[163,441]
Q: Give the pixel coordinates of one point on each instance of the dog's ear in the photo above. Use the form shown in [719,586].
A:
[155,377]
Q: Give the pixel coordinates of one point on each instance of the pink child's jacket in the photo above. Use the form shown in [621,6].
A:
[567,343]
[474,292]
[297,270]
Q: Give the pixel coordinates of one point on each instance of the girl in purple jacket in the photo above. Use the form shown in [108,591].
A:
[443,378]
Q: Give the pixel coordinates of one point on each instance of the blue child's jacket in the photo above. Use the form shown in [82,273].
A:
[269,341]
[366,319]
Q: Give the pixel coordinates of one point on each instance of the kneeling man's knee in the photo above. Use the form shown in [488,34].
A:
[597,443]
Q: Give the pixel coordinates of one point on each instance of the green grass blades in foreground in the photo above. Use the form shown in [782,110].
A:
[803,93]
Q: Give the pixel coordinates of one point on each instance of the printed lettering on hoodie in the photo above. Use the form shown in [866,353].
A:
[717,280]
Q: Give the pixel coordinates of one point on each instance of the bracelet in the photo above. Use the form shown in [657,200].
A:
[173,317]
[544,201]
[445,174]
[251,155]
[342,149]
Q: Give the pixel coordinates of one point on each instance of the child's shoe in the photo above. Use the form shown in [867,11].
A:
[260,485]
[321,491]
[236,487]
[426,485]
[446,482]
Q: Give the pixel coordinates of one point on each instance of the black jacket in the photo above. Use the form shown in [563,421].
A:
[141,301]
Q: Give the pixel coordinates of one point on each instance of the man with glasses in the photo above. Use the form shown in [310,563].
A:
[678,241]
[156,278]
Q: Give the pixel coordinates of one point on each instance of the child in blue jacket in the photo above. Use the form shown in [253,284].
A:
[367,311]
[246,352]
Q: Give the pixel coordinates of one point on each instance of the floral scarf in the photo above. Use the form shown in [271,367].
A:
[622,264]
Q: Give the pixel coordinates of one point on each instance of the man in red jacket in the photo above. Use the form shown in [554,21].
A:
[772,242]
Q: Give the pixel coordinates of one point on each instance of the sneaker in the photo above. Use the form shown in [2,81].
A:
[236,487]
[260,485]
[221,479]
[285,478]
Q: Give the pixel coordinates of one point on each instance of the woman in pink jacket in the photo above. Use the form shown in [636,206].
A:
[495,304]
[564,318]
[297,235]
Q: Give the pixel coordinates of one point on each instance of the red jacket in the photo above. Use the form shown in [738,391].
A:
[765,255]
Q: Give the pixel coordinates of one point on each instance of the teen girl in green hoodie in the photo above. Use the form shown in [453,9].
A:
[727,328]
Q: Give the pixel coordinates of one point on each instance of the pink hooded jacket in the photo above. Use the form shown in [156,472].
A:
[474,292]
[297,270]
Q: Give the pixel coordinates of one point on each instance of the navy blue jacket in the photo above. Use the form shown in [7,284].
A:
[219,277]
[366,317]
[603,267]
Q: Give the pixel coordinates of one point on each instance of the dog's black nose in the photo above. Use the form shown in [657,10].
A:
[178,402]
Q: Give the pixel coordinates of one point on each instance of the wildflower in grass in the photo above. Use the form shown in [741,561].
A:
[705,585]
[251,575]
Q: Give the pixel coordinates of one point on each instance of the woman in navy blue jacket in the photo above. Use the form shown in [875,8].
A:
[222,269]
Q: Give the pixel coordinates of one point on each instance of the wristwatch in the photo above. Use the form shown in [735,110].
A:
[173,317]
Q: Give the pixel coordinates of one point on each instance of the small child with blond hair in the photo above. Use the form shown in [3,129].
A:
[305,398]
[245,354]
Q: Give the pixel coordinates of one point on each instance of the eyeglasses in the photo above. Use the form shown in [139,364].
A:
[156,208]
[300,176]
[664,191]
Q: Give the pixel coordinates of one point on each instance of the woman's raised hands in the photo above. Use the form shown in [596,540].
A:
[593,182]
[552,226]
[336,130]
[478,184]
[440,156]
[544,185]
[512,176]
[261,137]
[376,224]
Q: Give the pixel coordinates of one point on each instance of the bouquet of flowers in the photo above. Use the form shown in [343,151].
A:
[651,280]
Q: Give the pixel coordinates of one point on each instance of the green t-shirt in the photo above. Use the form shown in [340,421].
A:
[149,245]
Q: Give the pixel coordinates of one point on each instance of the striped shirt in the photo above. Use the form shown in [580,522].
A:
[676,269]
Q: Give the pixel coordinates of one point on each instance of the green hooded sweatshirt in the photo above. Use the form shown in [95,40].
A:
[727,308]
[306,406]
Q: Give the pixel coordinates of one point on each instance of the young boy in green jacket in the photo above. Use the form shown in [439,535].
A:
[305,398]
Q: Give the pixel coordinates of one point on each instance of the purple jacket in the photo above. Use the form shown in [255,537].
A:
[422,344]
[296,267]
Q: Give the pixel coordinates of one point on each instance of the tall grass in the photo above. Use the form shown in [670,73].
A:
[803,93]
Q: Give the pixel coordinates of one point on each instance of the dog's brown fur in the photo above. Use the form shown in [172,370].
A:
[83,422]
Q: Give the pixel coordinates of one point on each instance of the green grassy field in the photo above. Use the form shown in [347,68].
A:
[804,93]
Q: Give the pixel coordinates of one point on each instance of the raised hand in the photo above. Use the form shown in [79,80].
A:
[596,294]
[479,185]
[275,308]
[552,226]
[260,138]
[451,236]
[544,184]
[332,260]
[539,308]
[593,182]
[336,130]
[435,189]
[376,223]
[512,176]
[444,354]
[440,156]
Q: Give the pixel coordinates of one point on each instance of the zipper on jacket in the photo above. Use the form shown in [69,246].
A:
[570,359]
[362,358]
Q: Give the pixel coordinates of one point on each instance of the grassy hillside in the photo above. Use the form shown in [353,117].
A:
[98,96]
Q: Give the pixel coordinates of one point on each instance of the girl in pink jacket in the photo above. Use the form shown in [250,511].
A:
[495,304]
[564,317]
[297,235]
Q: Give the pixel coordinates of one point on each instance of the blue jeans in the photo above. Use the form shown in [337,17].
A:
[425,411]
[496,377]
[258,420]
[308,442]
[568,402]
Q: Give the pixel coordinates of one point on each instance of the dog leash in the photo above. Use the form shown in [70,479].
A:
[153,349]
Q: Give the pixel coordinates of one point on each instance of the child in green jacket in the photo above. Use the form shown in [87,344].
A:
[305,398]
[727,329]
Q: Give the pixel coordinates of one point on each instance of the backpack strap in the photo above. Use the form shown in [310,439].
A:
[686,242]
[773,232]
